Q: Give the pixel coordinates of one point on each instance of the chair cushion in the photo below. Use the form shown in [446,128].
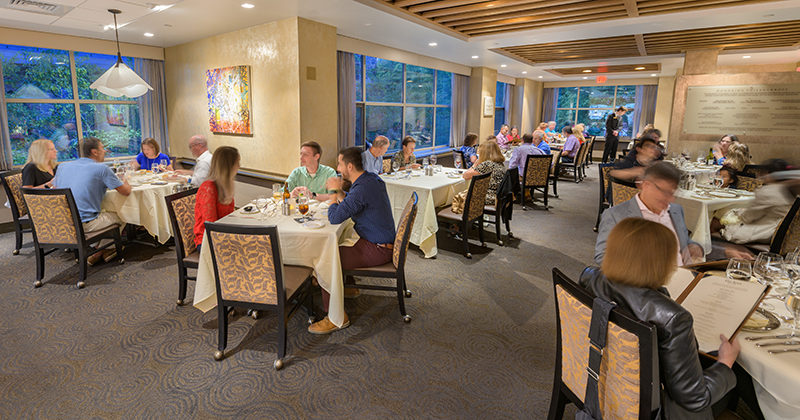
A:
[293,277]
[387,268]
[101,232]
[192,259]
[490,209]
[447,213]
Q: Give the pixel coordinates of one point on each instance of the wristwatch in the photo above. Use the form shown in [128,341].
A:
[313,195]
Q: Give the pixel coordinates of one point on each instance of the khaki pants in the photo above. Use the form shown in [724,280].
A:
[103,221]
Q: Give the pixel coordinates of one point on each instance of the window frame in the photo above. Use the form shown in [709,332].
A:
[577,108]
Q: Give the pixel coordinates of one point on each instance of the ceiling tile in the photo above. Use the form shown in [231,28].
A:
[31,17]
[66,22]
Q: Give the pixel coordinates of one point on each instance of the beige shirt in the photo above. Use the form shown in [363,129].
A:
[661,218]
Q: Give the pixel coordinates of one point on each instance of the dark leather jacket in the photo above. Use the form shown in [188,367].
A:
[688,390]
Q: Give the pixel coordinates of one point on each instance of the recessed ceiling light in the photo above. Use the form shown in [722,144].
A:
[524,72]
[474,56]
[159,7]
[745,56]
[367,24]
[541,77]
[585,77]
[248,6]
[639,68]
[148,34]
[587,71]
[433,44]
[654,75]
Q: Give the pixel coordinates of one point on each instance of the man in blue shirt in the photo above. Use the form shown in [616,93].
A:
[520,155]
[89,178]
[372,158]
[367,203]
[538,141]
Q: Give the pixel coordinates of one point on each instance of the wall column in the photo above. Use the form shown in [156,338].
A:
[700,61]
[530,104]
[482,84]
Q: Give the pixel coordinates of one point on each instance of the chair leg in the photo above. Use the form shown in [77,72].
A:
[557,403]
[18,238]
[555,187]
[281,344]
[400,300]
[309,303]
[222,321]
[39,267]
[464,236]
[182,273]
[522,200]
[546,192]
[480,232]
[497,225]
[83,261]
[118,245]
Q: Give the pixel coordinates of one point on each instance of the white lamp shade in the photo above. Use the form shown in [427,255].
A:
[120,80]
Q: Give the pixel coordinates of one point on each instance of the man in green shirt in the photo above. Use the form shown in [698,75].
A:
[310,177]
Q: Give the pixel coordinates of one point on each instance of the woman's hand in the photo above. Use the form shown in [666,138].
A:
[728,351]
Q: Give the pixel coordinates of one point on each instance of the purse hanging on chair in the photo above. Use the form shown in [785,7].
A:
[598,330]
[458,202]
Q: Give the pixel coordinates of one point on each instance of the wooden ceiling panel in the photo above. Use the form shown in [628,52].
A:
[604,70]
[585,49]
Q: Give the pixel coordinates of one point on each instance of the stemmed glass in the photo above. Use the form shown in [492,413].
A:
[792,302]
[457,160]
[162,165]
[716,180]
[433,160]
[261,202]
[154,167]
[395,166]
[277,193]
[408,170]
[738,269]
[768,267]
[302,206]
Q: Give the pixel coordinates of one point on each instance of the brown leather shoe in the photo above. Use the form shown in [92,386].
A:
[326,326]
[109,254]
[350,293]
[94,258]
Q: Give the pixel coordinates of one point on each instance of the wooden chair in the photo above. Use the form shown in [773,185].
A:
[787,237]
[181,215]
[590,152]
[387,165]
[576,165]
[394,269]
[502,211]
[536,176]
[622,191]
[56,224]
[756,170]
[555,170]
[473,211]
[457,153]
[629,383]
[748,182]
[249,273]
[604,170]
[12,183]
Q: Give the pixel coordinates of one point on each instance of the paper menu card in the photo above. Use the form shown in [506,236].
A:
[721,306]
[678,285]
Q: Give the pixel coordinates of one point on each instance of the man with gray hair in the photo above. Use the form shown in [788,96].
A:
[372,158]
[550,131]
[502,140]
[198,145]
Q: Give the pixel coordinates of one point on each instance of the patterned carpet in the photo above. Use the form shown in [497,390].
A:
[481,344]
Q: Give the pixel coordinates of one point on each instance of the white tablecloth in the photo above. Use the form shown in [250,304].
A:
[698,213]
[145,206]
[317,248]
[433,191]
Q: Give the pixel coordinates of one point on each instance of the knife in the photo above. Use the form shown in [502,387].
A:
[771,337]
[782,343]
[782,351]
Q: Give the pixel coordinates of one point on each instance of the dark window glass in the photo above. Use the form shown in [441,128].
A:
[444,87]
[29,122]
[386,121]
[597,97]
[567,97]
[419,85]
[359,77]
[500,95]
[594,120]
[626,96]
[442,126]
[89,67]
[499,118]
[360,126]
[564,117]
[384,80]
[36,73]
[419,124]
[117,125]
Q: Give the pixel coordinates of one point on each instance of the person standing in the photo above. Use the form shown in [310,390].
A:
[613,125]
[372,158]
[198,145]
[311,176]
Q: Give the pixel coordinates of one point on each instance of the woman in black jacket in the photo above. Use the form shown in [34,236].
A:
[635,281]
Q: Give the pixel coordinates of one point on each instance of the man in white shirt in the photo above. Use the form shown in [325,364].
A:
[198,145]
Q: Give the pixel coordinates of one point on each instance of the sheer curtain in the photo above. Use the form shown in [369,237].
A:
[346,84]
[5,137]
[549,104]
[458,109]
[153,105]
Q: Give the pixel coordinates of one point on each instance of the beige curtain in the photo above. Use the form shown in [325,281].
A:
[507,103]
[458,110]
[646,108]
[346,84]
[549,104]
[6,162]
[153,104]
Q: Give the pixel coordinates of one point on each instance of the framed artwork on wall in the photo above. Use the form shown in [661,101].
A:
[229,100]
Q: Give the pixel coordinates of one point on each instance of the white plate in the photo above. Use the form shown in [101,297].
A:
[313,224]
[454,176]
[745,193]
[702,197]
[722,194]
[159,183]
[324,205]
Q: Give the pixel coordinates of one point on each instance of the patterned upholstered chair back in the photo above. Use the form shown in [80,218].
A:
[605,178]
[182,209]
[476,197]
[556,154]
[581,154]
[404,228]
[787,236]
[755,170]
[749,184]
[13,184]
[628,375]
[52,216]
[245,266]
[537,170]
[621,193]
[387,165]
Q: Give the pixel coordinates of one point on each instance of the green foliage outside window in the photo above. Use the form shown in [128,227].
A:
[591,106]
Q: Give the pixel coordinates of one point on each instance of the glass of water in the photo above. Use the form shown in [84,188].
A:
[739,269]
[433,160]
[792,302]
[395,166]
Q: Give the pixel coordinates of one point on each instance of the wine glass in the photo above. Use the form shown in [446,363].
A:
[792,302]
[277,194]
[739,269]
[302,206]
[716,180]
[154,167]
[433,160]
[261,202]
[408,169]
[162,165]
[457,160]
[395,166]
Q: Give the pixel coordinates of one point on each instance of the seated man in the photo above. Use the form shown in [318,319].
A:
[502,137]
[198,145]
[310,177]
[367,204]
[89,178]
[520,155]
[372,158]
[538,141]
[571,145]
[632,167]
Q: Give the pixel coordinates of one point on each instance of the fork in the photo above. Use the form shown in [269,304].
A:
[782,351]
[771,337]
[782,343]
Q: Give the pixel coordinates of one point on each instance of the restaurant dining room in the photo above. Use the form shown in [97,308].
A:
[410,209]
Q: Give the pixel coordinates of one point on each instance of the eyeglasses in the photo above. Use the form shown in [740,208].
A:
[663,191]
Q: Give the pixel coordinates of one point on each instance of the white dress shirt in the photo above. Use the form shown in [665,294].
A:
[201,168]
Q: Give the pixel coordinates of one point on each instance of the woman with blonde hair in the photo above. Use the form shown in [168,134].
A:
[738,156]
[490,160]
[577,131]
[40,169]
[639,261]
[150,154]
[215,195]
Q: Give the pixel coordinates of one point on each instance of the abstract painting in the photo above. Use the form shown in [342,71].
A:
[229,100]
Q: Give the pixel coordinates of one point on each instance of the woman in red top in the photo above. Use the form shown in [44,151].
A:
[215,195]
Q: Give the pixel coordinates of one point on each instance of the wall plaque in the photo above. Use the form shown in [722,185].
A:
[771,110]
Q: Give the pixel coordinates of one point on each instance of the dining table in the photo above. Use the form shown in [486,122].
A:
[433,192]
[699,206]
[312,244]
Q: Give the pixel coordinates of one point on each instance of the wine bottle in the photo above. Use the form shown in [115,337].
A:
[286,194]
[710,157]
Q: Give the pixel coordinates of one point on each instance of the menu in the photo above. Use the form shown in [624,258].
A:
[678,286]
[772,110]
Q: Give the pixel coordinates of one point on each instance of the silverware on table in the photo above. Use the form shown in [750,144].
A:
[771,337]
[782,351]
[782,343]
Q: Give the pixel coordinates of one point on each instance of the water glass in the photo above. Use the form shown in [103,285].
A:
[457,160]
[433,160]
[395,166]
[261,202]
[768,267]
[162,165]
[739,269]
[154,167]
[792,302]
[425,162]
[302,206]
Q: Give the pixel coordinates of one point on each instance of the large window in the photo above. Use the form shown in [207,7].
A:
[500,106]
[48,96]
[397,100]
[591,106]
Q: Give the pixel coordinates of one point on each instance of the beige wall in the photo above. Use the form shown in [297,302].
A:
[482,83]
[527,105]
[76,43]
[278,56]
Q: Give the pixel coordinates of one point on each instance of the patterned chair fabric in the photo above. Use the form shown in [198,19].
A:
[15,184]
[606,177]
[406,223]
[790,238]
[756,170]
[184,215]
[556,159]
[621,193]
[387,165]
[537,171]
[620,367]
[246,267]
[52,219]
[477,202]
[749,184]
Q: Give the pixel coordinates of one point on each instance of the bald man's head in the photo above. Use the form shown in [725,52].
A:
[198,145]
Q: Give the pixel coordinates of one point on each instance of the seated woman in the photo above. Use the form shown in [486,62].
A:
[150,154]
[635,281]
[490,161]
[720,150]
[632,167]
[513,136]
[215,195]
[738,156]
[405,156]
[468,149]
[40,169]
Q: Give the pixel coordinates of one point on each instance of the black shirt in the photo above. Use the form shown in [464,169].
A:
[31,175]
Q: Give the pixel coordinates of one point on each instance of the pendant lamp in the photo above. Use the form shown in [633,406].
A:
[120,80]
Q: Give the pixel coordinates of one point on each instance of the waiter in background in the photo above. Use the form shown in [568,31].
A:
[613,124]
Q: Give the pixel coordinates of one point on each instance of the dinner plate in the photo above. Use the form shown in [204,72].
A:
[745,193]
[761,321]
[313,224]
[159,183]
[324,205]
[722,194]
[702,197]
